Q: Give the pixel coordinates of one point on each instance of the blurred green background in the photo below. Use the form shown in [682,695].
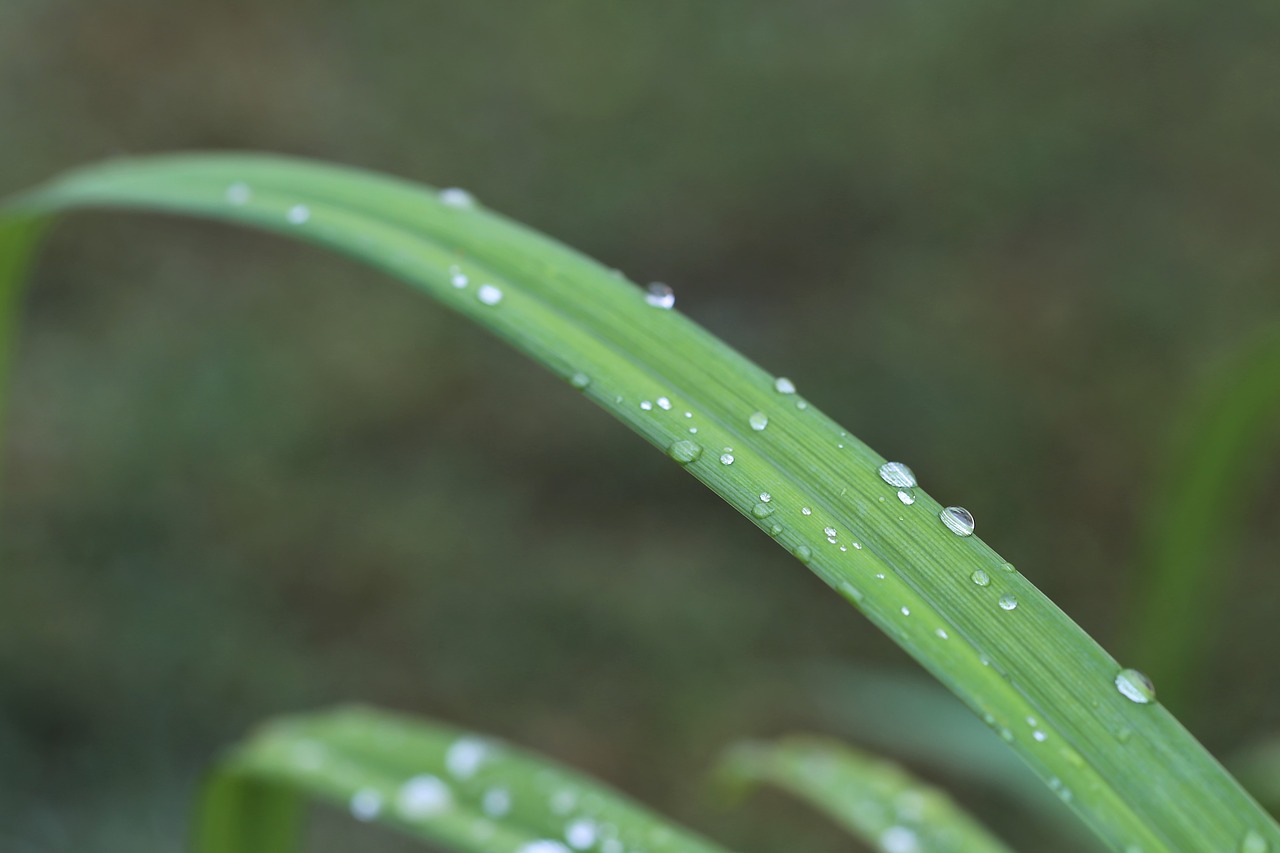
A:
[1000,242]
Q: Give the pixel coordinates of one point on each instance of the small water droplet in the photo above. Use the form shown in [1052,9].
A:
[1007,568]
[1039,735]
[465,756]
[801,405]
[239,193]
[647,405]
[543,846]
[898,475]
[805,510]
[685,451]
[775,530]
[1135,686]
[907,496]
[762,510]
[1008,602]
[688,414]
[664,404]
[458,278]
[423,796]
[298,214]
[802,553]
[906,611]
[758,421]
[489,295]
[942,634]
[783,385]
[765,497]
[830,531]
[958,520]
[660,296]
[726,458]
[366,804]
[899,839]
[693,430]
[1254,843]
[580,380]
[980,577]
[581,834]
[496,802]
[457,197]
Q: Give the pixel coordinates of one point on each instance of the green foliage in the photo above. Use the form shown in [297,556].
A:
[429,780]
[876,800]
[1138,778]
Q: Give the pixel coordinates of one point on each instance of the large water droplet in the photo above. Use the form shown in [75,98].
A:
[958,520]
[660,296]
[758,421]
[898,475]
[685,451]
[239,193]
[783,385]
[1135,686]
[664,404]
[907,496]
[457,197]
[1254,843]
[1008,602]
[980,577]
[366,804]
[489,295]
[298,214]
[423,796]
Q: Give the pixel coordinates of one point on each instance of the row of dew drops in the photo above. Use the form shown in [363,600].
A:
[426,797]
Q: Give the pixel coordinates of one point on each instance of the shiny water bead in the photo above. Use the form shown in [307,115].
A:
[647,405]
[581,834]
[775,530]
[762,510]
[806,511]
[1008,602]
[758,421]
[664,404]
[366,804]
[298,214]
[783,385]
[465,756]
[685,451]
[958,520]
[239,193]
[458,278]
[489,295]
[898,475]
[457,197]
[899,839]
[942,634]
[423,796]
[980,577]
[906,611]
[580,380]
[765,497]
[660,296]
[726,458]
[907,496]
[1253,842]
[802,553]
[1135,686]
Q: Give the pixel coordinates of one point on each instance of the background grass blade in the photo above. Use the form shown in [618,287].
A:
[430,780]
[876,800]
[1131,770]
[1212,468]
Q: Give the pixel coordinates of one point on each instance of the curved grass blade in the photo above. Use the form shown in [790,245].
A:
[427,779]
[875,800]
[1131,770]
[1210,473]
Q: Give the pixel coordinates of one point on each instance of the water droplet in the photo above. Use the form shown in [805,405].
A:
[830,531]
[906,611]
[980,577]
[806,511]
[458,278]
[758,421]
[1039,735]
[851,591]
[489,295]
[239,193]
[801,405]
[762,510]
[1253,843]
[775,530]
[765,497]
[581,834]
[898,475]
[647,405]
[685,451]
[1007,567]
[664,404]
[298,214]
[1135,686]
[543,846]
[465,757]
[907,496]
[803,554]
[693,430]
[660,296]
[423,797]
[726,458]
[958,520]
[366,804]
[1008,602]
[688,414]
[1123,734]
[942,634]
[496,802]
[783,385]
[580,380]
[457,197]
[899,839]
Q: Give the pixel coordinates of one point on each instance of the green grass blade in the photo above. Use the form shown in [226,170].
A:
[1131,770]
[18,238]
[1210,473]
[875,800]
[429,780]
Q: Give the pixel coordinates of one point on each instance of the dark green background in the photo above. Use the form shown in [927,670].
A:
[1001,242]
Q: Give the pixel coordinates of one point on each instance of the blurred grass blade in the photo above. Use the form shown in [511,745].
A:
[1131,770]
[876,800]
[429,780]
[1210,473]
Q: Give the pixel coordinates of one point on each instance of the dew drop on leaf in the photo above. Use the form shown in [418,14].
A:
[980,577]
[762,510]
[581,834]
[898,475]
[457,197]
[496,802]
[783,385]
[489,295]
[958,520]
[1008,602]
[239,193]
[1254,843]
[758,421]
[660,296]
[803,554]
[907,496]
[726,458]
[664,404]
[298,214]
[366,804]
[423,796]
[580,380]
[685,451]
[1135,686]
